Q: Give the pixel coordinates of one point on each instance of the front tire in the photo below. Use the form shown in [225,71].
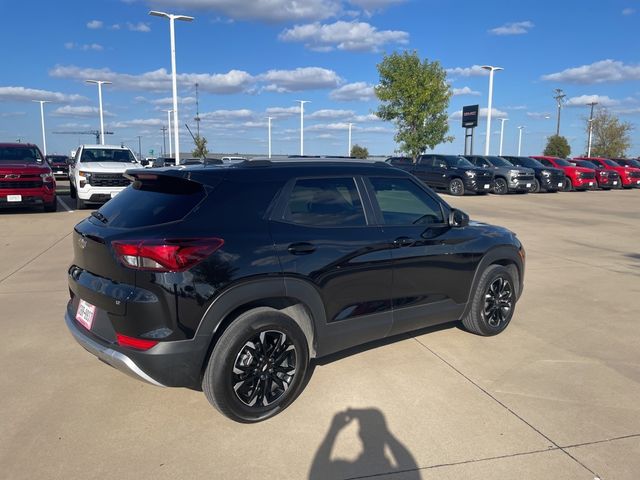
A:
[456,187]
[51,207]
[257,367]
[568,185]
[535,188]
[72,191]
[80,205]
[493,302]
[500,186]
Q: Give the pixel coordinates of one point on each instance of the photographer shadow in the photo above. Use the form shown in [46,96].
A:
[382,453]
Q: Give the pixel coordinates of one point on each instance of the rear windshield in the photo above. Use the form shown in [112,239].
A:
[167,199]
[20,154]
[107,155]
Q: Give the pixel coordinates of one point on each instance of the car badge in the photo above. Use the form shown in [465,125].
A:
[12,175]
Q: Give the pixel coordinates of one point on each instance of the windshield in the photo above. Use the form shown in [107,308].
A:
[107,155]
[57,158]
[454,161]
[632,163]
[611,163]
[526,162]
[20,154]
[562,162]
[498,162]
[586,164]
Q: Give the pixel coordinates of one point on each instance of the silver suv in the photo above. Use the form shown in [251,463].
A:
[507,177]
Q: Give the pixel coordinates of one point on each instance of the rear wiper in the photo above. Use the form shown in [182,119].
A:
[100,217]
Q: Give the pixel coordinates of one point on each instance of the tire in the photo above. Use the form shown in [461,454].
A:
[535,187]
[500,186]
[568,185]
[456,187]
[72,191]
[224,369]
[477,320]
[51,207]
[80,204]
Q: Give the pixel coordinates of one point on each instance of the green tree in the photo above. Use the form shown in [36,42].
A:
[610,137]
[414,94]
[201,147]
[557,146]
[359,152]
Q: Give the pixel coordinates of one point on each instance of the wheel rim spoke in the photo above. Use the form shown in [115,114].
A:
[497,302]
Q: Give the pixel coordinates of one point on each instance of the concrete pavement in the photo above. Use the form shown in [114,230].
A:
[554,396]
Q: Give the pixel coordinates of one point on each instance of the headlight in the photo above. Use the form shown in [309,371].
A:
[546,173]
[470,173]
[46,177]
[604,173]
[85,174]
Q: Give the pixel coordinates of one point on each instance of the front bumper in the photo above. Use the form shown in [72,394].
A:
[89,193]
[551,183]
[29,196]
[520,184]
[585,184]
[631,182]
[478,184]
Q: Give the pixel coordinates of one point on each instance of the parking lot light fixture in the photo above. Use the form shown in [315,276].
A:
[520,140]
[491,69]
[349,150]
[100,83]
[169,132]
[502,133]
[269,132]
[302,102]
[44,137]
[172,18]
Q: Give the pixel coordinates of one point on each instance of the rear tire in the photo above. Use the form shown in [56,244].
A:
[493,302]
[456,187]
[258,366]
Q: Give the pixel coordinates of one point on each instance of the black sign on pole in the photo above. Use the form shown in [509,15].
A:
[470,116]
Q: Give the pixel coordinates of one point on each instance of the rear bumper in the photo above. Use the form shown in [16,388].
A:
[116,359]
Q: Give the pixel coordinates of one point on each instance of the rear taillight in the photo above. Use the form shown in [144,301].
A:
[168,255]
[137,343]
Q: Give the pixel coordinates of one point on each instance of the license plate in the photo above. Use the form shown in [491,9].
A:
[560,184]
[528,185]
[591,184]
[85,314]
[615,182]
[59,172]
[18,198]
[113,194]
[638,182]
[487,186]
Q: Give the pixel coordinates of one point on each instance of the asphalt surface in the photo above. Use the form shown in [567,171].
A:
[556,396]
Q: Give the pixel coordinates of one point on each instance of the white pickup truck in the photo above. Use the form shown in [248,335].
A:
[96,173]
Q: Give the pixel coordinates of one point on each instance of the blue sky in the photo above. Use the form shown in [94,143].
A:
[253,59]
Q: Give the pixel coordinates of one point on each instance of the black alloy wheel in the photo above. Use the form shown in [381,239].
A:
[535,187]
[498,302]
[456,187]
[264,368]
[500,186]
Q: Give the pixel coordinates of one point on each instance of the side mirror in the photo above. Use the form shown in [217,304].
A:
[69,160]
[458,219]
[144,162]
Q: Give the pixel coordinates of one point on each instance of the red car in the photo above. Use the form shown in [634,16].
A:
[25,178]
[629,176]
[607,179]
[577,178]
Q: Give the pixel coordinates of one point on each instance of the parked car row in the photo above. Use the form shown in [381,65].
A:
[481,174]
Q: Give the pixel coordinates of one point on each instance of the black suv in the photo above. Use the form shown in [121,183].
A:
[546,178]
[230,279]
[452,173]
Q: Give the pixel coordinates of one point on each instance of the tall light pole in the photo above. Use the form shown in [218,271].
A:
[269,132]
[44,137]
[100,83]
[169,131]
[592,104]
[302,102]
[559,96]
[172,18]
[520,140]
[139,147]
[487,141]
[164,140]
[349,150]
[502,133]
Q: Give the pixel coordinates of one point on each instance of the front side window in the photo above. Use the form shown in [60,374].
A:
[402,202]
[107,155]
[325,202]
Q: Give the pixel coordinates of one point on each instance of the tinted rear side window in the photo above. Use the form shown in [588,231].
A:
[142,204]
[325,202]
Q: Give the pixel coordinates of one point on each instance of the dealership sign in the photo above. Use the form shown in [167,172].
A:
[470,116]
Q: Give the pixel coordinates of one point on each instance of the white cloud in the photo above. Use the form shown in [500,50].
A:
[85,47]
[603,71]
[226,115]
[539,115]
[138,27]
[73,125]
[358,91]
[94,24]
[464,91]
[374,5]
[22,94]
[472,71]
[495,113]
[234,81]
[351,36]
[628,11]
[168,101]
[139,122]
[583,100]
[263,10]
[304,78]
[627,111]
[331,114]
[513,28]
[282,112]
[83,111]
[115,26]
